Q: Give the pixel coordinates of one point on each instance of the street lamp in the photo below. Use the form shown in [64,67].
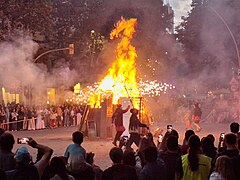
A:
[70,48]
[232,36]
[71,52]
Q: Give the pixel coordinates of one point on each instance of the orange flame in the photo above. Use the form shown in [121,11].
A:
[121,77]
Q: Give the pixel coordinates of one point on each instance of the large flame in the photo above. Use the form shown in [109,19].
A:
[121,77]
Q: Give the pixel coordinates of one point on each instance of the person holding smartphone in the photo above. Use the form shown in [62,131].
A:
[25,168]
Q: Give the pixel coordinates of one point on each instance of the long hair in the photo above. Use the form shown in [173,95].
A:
[208,147]
[224,167]
[193,151]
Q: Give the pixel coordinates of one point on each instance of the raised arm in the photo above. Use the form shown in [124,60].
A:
[47,153]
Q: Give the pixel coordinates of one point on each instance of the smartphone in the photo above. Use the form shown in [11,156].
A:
[222,135]
[160,138]
[125,138]
[22,140]
[169,128]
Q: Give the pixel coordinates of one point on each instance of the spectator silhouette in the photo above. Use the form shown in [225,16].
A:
[75,150]
[7,161]
[223,169]
[231,150]
[97,170]
[171,156]
[132,159]
[163,145]
[234,128]
[143,144]
[185,146]
[75,156]
[208,148]
[58,169]
[118,171]
[154,168]
[236,163]
[25,169]
[193,165]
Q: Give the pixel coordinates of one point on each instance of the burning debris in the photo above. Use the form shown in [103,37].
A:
[121,79]
[122,76]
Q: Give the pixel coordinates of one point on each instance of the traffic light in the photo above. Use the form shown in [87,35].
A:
[71,49]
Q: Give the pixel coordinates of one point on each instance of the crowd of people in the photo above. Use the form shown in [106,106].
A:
[15,117]
[194,159]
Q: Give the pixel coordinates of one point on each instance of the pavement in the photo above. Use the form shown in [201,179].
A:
[58,139]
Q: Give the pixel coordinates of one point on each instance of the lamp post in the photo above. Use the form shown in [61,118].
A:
[71,52]
[70,48]
[232,36]
[234,84]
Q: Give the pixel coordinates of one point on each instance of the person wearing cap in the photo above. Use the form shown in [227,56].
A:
[117,119]
[25,169]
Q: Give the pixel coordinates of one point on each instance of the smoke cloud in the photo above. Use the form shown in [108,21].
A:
[17,69]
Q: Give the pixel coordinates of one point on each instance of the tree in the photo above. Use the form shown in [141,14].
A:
[72,23]
[19,16]
[209,50]
[153,23]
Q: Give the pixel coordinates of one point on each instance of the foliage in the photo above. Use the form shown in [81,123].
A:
[208,45]
[24,16]
[57,23]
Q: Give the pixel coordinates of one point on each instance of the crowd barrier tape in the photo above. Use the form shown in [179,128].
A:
[12,122]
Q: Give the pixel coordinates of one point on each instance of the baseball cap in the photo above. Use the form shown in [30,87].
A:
[22,155]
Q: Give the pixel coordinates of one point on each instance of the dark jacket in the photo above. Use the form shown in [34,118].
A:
[118,116]
[153,171]
[119,171]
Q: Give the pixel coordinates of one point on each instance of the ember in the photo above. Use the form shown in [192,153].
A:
[121,79]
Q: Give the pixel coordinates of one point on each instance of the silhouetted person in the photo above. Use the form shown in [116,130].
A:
[7,161]
[153,169]
[118,171]
[171,156]
[117,119]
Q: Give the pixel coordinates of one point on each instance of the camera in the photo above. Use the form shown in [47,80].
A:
[22,140]
[169,128]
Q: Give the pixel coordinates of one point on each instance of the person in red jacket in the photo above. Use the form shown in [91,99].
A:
[117,119]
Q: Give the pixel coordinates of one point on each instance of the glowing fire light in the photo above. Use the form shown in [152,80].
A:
[121,76]
[121,79]
[146,89]
[154,88]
